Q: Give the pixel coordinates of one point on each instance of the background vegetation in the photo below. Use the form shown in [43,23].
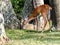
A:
[18,7]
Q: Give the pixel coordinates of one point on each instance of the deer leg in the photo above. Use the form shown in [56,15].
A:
[45,21]
[36,24]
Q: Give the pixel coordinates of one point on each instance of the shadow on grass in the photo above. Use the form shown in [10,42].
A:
[36,31]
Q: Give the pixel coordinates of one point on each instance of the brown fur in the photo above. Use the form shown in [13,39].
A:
[43,9]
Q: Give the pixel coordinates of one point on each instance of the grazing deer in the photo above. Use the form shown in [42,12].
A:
[43,9]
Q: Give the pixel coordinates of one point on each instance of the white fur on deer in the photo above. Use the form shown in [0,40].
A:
[42,24]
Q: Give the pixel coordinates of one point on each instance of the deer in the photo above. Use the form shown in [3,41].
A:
[43,10]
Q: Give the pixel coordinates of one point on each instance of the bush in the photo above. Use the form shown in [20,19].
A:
[18,6]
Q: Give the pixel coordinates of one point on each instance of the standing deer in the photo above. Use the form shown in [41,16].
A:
[43,9]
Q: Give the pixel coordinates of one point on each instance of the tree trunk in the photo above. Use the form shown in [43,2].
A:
[9,15]
[57,12]
[3,37]
[28,7]
[37,3]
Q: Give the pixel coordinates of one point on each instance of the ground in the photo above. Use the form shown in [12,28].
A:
[29,37]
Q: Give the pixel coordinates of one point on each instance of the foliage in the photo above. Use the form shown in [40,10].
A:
[18,6]
[29,37]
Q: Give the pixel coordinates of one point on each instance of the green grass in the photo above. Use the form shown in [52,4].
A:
[29,37]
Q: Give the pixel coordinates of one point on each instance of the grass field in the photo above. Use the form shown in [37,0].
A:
[28,37]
